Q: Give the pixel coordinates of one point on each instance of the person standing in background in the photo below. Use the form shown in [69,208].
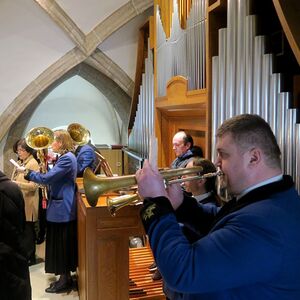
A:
[30,191]
[182,145]
[61,236]
[14,270]
[203,190]
[203,194]
[86,158]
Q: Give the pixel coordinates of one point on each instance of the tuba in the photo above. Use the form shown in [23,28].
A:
[79,134]
[40,139]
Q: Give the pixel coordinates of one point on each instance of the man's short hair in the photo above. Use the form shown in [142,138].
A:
[187,138]
[251,130]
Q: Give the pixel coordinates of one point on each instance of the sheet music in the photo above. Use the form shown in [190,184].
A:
[14,163]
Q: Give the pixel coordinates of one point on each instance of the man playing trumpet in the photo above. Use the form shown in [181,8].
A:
[251,250]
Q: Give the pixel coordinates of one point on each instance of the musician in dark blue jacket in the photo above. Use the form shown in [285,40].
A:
[251,250]
[86,157]
[61,236]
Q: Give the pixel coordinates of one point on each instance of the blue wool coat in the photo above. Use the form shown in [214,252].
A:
[251,251]
[61,180]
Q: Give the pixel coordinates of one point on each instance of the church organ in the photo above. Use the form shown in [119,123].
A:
[242,58]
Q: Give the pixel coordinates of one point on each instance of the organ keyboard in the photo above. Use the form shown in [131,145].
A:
[141,285]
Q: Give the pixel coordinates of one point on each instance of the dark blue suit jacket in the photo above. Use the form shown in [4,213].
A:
[251,251]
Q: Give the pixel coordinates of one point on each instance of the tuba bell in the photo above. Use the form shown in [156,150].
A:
[79,134]
[40,139]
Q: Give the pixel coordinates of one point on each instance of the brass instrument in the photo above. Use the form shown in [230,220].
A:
[95,186]
[40,138]
[114,204]
[104,165]
[79,134]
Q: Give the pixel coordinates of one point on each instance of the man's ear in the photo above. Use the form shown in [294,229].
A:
[255,156]
[201,181]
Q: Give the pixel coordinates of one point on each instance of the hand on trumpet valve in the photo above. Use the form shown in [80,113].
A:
[150,182]
[151,185]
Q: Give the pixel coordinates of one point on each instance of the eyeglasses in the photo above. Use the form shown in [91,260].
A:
[21,150]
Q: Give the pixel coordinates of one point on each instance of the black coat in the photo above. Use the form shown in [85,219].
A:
[14,271]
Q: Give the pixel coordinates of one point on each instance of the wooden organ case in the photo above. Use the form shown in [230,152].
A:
[107,268]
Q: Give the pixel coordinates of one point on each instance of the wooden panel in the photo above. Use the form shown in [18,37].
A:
[114,159]
[103,250]
[288,12]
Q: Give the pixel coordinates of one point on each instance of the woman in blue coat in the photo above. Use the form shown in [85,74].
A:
[61,237]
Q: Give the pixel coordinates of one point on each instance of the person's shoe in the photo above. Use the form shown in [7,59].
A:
[152,267]
[57,288]
[156,275]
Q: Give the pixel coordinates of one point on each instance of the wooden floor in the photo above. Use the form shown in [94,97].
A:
[141,285]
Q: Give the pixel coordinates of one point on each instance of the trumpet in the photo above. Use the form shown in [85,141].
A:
[114,204]
[95,186]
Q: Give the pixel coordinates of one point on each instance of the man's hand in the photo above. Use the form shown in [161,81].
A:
[150,182]
[175,195]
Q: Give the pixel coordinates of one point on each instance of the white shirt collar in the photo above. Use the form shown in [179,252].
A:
[249,189]
[201,197]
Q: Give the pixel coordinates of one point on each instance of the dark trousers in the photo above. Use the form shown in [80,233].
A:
[29,241]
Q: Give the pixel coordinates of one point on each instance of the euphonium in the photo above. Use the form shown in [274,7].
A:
[95,186]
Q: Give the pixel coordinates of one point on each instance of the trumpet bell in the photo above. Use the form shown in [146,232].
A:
[95,186]
[79,134]
[114,204]
[39,138]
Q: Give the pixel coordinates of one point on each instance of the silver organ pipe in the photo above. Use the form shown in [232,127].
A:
[143,127]
[215,101]
[184,52]
[250,26]
[251,86]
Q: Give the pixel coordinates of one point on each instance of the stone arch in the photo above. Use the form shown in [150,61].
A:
[115,95]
